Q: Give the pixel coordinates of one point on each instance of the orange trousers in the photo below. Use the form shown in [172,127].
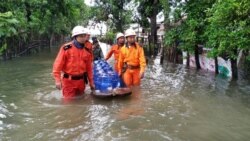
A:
[132,77]
[72,88]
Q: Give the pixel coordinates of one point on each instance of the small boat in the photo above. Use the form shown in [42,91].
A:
[117,92]
[107,82]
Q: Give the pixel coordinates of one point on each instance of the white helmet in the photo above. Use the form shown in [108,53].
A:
[77,30]
[130,32]
[118,35]
[88,31]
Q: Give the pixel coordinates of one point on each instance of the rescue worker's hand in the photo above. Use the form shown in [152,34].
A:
[92,87]
[142,75]
[59,85]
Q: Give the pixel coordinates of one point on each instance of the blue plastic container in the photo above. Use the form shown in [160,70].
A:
[105,78]
[114,78]
[121,83]
[105,83]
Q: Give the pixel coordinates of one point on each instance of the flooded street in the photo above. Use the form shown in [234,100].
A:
[173,104]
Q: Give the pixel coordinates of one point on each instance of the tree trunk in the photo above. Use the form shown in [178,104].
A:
[162,56]
[51,40]
[234,68]
[175,53]
[149,45]
[153,26]
[216,65]
[120,23]
[197,60]
[188,61]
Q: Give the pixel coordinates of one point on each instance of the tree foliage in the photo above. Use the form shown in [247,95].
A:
[148,9]
[39,18]
[229,27]
[114,12]
[220,25]
[7,24]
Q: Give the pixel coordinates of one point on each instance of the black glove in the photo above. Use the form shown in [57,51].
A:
[92,88]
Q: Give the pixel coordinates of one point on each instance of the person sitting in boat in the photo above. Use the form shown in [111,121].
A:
[74,60]
[131,62]
[120,40]
[97,51]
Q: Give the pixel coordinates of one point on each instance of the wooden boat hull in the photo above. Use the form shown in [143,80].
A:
[117,92]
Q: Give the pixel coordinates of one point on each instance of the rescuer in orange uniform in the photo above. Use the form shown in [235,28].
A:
[131,62]
[74,61]
[115,49]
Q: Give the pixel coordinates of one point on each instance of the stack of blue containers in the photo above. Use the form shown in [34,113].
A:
[105,78]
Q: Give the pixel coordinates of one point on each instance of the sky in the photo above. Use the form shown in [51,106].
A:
[89,2]
[95,28]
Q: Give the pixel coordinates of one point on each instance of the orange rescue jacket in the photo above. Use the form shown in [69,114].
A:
[133,55]
[89,46]
[73,61]
[114,50]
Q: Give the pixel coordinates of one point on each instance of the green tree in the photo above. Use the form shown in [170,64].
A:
[189,25]
[113,10]
[7,29]
[229,29]
[195,25]
[150,9]
[174,27]
[41,20]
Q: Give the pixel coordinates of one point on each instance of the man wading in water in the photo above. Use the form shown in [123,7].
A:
[74,61]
